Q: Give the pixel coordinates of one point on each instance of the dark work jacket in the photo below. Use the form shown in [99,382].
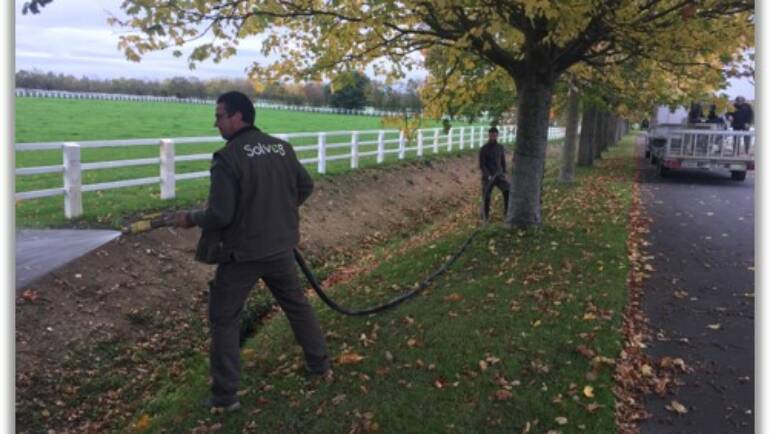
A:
[491,159]
[742,117]
[257,186]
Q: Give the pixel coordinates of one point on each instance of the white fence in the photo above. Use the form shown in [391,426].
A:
[63,94]
[328,146]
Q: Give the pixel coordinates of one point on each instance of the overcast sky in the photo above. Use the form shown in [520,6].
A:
[73,37]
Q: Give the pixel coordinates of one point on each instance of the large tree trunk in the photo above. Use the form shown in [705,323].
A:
[598,137]
[567,173]
[533,108]
[587,133]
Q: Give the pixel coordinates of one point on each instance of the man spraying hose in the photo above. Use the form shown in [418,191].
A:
[492,165]
[250,227]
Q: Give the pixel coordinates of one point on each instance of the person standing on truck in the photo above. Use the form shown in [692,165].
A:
[250,227]
[492,165]
[713,118]
[695,116]
[742,118]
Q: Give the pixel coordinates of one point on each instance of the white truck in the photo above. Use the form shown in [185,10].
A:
[672,143]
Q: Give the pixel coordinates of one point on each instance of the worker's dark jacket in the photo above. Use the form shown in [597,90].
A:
[257,185]
[491,159]
[742,117]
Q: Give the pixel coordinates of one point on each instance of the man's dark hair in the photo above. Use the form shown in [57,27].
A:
[234,102]
[493,130]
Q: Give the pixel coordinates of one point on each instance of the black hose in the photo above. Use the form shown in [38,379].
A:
[400,299]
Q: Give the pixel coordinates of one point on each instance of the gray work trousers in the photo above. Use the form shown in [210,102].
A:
[227,296]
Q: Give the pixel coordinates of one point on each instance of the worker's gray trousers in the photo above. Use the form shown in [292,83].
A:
[228,293]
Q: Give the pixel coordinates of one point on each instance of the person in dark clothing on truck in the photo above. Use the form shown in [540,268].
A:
[249,228]
[742,118]
[492,165]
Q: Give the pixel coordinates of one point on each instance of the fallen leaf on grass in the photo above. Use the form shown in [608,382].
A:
[142,424]
[349,358]
[592,407]
[586,352]
[503,395]
[588,391]
[453,297]
[561,420]
[677,407]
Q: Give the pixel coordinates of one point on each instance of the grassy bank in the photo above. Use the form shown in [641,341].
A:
[519,336]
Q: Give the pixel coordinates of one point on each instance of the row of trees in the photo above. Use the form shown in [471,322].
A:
[620,56]
[351,91]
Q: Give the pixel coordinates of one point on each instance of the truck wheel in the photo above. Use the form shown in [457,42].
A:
[738,175]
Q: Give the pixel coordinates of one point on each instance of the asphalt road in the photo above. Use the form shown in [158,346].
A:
[700,299]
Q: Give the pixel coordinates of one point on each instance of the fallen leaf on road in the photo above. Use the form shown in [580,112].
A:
[647,370]
[30,295]
[716,326]
[680,294]
[677,407]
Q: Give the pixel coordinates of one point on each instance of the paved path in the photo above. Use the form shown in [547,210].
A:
[38,252]
[702,237]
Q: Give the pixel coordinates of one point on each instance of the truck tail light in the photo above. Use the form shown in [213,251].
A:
[672,164]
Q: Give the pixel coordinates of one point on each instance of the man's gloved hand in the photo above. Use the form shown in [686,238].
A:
[182,220]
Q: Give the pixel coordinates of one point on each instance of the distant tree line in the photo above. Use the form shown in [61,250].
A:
[352,91]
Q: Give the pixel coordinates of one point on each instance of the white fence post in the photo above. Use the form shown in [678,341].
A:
[73,195]
[481,136]
[401,145]
[419,143]
[435,140]
[462,138]
[167,169]
[380,147]
[354,150]
[449,140]
[321,152]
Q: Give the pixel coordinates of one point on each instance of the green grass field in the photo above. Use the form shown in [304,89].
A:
[42,120]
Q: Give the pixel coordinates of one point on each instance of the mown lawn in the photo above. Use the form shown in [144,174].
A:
[519,336]
[40,120]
